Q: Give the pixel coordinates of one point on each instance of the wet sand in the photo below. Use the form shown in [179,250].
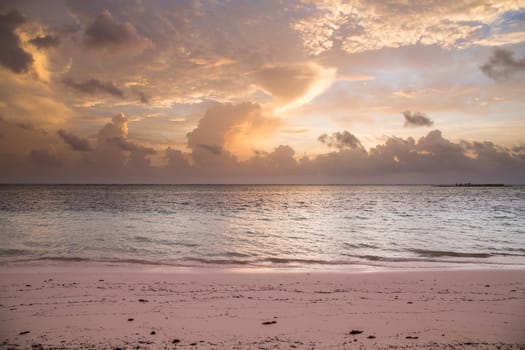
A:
[129,308]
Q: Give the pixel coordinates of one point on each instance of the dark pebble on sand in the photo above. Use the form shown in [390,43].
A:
[143,301]
[131,319]
[410,337]
[24,332]
[269,322]
[409,302]
[153,333]
[371,337]
[355,331]
[193,344]
[175,341]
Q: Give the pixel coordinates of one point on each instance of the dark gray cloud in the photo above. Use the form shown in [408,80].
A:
[502,65]
[25,126]
[12,56]
[107,32]
[46,41]
[76,143]
[143,97]
[341,140]
[518,149]
[214,149]
[93,86]
[416,119]
[176,159]
[29,127]
[128,146]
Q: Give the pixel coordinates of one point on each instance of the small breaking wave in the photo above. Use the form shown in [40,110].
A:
[217,261]
[286,261]
[12,252]
[445,253]
[359,245]
[72,259]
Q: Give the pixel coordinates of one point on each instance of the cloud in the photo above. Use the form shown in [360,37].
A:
[143,97]
[214,149]
[117,128]
[357,27]
[176,160]
[226,128]
[430,159]
[286,82]
[46,41]
[502,65]
[93,86]
[12,56]
[115,151]
[416,119]
[341,140]
[106,32]
[76,143]
[218,121]
[295,84]
[126,145]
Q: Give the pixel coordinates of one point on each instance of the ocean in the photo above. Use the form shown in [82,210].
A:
[264,226]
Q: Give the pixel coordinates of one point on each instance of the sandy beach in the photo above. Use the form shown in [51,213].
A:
[127,308]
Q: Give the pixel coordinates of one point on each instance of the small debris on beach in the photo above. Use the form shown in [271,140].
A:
[153,333]
[131,319]
[371,337]
[355,331]
[269,322]
[411,337]
[175,341]
[143,300]
[24,332]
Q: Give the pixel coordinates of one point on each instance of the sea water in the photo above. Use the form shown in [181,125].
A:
[254,226]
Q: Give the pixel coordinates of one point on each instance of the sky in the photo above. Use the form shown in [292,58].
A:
[358,92]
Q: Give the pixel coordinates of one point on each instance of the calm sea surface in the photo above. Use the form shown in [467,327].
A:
[333,227]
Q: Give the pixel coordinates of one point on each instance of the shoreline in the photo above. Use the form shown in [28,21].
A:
[296,266]
[222,309]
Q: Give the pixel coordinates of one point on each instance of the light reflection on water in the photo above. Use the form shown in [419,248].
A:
[264,225]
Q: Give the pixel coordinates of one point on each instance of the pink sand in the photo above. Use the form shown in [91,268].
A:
[79,308]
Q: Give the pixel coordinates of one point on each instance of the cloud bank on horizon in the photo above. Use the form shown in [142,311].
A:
[262,92]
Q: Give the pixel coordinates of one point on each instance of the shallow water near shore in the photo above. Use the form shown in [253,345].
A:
[254,226]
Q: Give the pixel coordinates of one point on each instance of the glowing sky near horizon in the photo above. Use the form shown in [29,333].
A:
[227,91]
